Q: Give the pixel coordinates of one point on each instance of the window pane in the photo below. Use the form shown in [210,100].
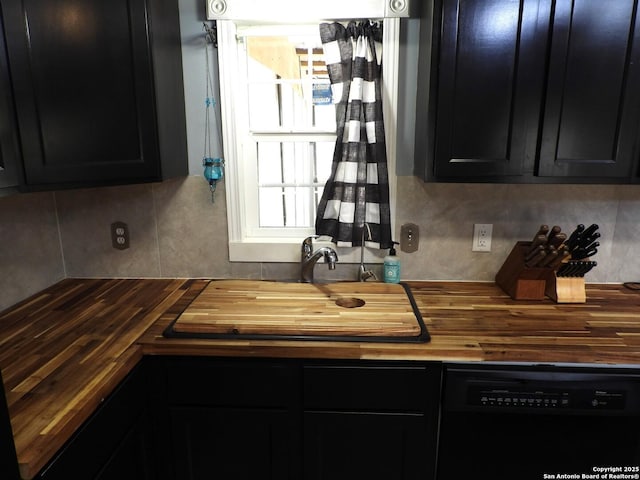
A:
[291,177]
[288,85]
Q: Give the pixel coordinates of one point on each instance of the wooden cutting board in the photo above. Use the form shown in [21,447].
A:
[254,307]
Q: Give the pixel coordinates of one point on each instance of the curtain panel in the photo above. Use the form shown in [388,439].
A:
[357,191]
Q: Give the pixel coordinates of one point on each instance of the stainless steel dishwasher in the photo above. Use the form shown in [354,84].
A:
[539,422]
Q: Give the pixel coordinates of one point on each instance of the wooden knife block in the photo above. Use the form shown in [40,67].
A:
[519,281]
[566,289]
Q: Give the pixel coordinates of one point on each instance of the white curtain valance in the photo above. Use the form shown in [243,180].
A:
[284,11]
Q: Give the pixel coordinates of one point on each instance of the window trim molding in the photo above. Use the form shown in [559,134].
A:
[246,249]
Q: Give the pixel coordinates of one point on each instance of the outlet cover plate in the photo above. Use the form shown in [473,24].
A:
[482,233]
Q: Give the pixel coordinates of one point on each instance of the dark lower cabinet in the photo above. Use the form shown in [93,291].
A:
[114,443]
[8,461]
[372,420]
[132,458]
[242,444]
[227,418]
[197,418]
[281,419]
[348,445]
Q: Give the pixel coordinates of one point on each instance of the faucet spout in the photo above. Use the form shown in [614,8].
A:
[363,273]
[309,258]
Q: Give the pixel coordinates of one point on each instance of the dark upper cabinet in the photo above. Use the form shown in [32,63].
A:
[98,90]
[9,150]
[491,67]
[591,120]
[530,91]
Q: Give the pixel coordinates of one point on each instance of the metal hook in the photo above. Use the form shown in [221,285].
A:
[211,33]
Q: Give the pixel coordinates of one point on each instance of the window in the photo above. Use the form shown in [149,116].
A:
[279,134]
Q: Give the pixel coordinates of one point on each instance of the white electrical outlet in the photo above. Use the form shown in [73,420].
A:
[482,237]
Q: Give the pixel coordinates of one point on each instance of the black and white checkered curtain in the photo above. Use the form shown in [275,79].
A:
[357,191]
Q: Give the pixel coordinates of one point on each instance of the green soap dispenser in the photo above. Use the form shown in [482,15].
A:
[391,269]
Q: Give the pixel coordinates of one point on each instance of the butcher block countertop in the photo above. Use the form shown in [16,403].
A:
[65,349]
[344,310]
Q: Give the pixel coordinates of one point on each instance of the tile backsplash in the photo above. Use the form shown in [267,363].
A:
[176,231]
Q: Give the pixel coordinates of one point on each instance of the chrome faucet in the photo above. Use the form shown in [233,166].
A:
[363,273]
[309,258]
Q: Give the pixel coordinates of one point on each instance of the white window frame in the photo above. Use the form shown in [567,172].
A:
[244,247]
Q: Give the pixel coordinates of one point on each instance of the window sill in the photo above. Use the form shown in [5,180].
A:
[288,251]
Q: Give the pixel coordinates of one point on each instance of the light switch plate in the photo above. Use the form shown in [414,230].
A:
[409,237]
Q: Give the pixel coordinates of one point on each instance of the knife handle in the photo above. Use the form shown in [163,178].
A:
[558,240]
[555,230]
[549,258]
[563,256]
[538,242]
[590,230]
[533,252]
[543,230]
[536,259]
[573,238]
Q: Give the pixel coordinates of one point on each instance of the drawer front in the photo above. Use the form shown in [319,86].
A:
[369,388]
[237,383]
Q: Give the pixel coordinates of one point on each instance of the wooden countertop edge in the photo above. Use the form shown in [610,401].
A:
[42,451]
[43,445]
[443,347]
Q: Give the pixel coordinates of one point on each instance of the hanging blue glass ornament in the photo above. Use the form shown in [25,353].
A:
[213,169]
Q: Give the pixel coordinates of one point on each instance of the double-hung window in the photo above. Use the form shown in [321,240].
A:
[278,122]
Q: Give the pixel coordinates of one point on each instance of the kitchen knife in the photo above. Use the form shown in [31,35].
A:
[554,231]
[575,269]
[552,254]
[581,253]
[564,269]
[537,258]
[532,253]
[563,256]
[589,231]
[538,241]
[543,230]
[584,242]
[592,245]
[573,238]
[557,240]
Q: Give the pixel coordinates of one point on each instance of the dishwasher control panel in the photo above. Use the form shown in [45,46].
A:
[591,399]
[556,390]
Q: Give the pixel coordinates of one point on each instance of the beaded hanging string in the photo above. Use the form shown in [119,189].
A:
[213,166]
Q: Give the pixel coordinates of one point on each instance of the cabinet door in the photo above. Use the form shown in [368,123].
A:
[8,460]
[131,460]
[375,446]
[490,86]
[9,152]
[84,90]
[229,418]
[592,111]
[373,420]
[111,444]
[243,444]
